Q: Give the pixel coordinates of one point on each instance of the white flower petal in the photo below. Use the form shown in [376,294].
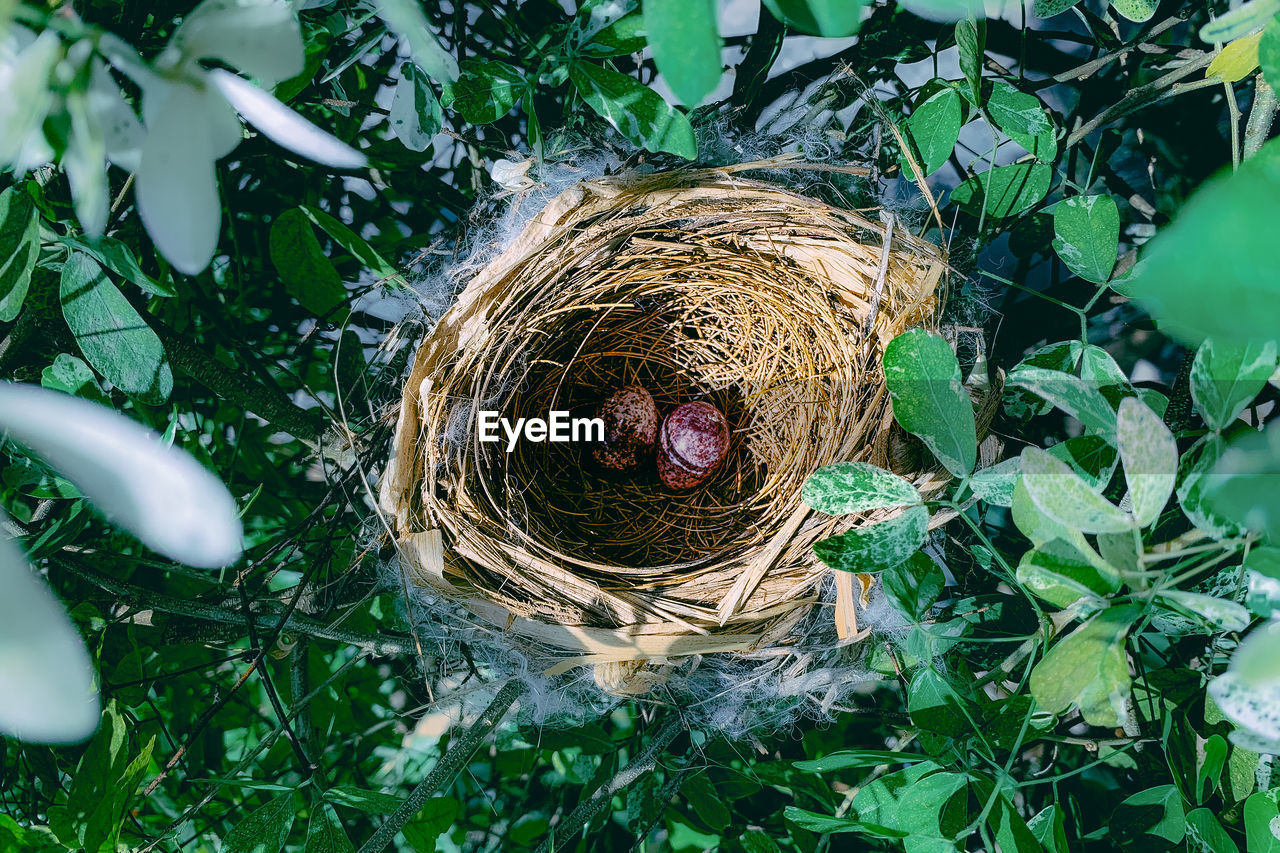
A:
[157,492]
[283,126]
[260,37]
[177,187]
[121,129]
[46,677]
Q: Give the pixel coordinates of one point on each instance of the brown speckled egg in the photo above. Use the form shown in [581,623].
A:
[694,440]
[630,428]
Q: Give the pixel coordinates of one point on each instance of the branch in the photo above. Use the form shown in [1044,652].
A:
[1261,116]
[593,805]
[270,404]
[446,768]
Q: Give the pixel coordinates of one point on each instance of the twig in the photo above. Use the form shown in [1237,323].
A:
[1261,116]
[1139,97]
[446,768]
[592,806]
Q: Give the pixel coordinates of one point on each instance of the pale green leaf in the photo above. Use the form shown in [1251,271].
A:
[1242,486]
[856,487]
[1060,494]
[929,399]
[112,335]
[1135,10]
[406,19]
[1073,395]
[19,248]
[827,18]
[1089,668]
[636,111]
[877,546]
[933,128]
[686,46]
[264,830]
[1149,456]
[1223,614]
[1262,822]
[995,483]
[1023,119]
[1060,575]
[415,111]
[1226,377]
[1086,235]
[1004,190]
[1240,21]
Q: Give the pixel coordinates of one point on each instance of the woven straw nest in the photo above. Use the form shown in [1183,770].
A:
[700,285]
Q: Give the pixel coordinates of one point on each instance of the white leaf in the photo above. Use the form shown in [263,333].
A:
[283,126]
[46,677]
[260,37]
[1149,455]
[157,492]
[85,162]
[121,130]
[177,187]
[26,64]
[1255,708]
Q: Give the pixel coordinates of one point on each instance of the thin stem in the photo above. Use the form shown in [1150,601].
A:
[446,768]
[1261,116]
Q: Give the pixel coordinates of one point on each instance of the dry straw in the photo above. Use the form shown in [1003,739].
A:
[699,284]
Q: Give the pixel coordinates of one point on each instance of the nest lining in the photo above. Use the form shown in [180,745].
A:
[699,285]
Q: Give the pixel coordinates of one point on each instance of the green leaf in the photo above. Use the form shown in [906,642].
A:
[1226,377]
[1087,235]
[1004,190]
[878,546]
[1149,456]
[1209,772]
[1041,529]
[485,90]
[623,36]
[877,801]
[1091,457]
[1205,833]
[995,484]
[1262,822]
[325,833]
[1049,8]
[686,46]
[1156,812]
[72,376]
[19,248]
[1135,10]
[1242,486]
[1262,570]
[1223,614]
[354,244]
[1058,573]
[932,130]
[1049,828]
[1063,496]
[701,795]
[1257,660]
[371,802]
[406,20]
[848,759]
[111,334]
[1073,395]
[1240,21]
[1215,246]
[827,18]
[263,830]
[1088,668]
[1269,52]
[119,258]
[971,37]
[1195,476]
[106,778]
[934,705]
[821,823]
[1023,119]
[847,487]
[635,110]
[929,399]
[935,807]
[416,116]
[913,586]
[435,816]
[308,275]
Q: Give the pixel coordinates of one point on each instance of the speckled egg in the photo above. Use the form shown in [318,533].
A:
[630,429]
[692,444]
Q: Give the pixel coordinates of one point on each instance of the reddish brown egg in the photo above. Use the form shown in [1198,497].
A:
[630,429]
[694,440]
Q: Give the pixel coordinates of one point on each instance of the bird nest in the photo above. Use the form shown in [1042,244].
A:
[698,285]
